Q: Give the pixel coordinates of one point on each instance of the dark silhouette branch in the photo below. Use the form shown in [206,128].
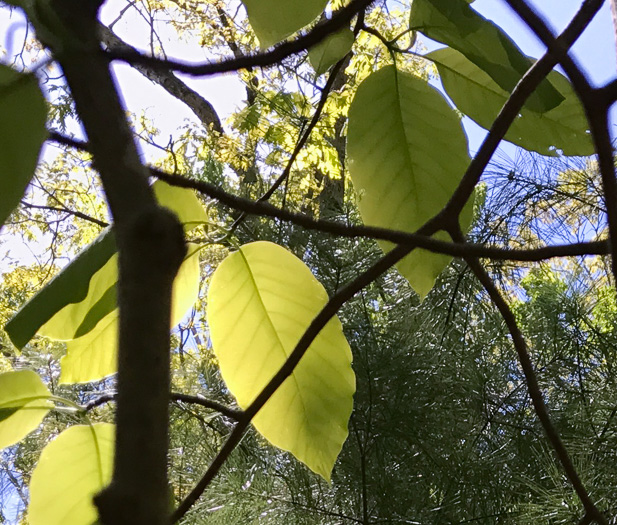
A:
[533,387]
[596,106]
[231,413]
[204,111]
[346,230]
[75,213]
[280,52]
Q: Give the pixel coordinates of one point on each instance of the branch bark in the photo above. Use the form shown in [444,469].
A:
[151,247]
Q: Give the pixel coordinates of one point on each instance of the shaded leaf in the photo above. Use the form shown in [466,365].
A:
[274,20]
[456,24]
[72,469]
[23,405]
[327,53]
[261,300]
[93,356]
[480,98]
[22,133]
[407,153]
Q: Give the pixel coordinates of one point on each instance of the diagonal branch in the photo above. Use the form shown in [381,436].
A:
[533,387]
[204,111]
[280,52]
[596,105]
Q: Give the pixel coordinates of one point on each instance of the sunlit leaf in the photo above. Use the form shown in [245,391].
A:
[274,20]
[183,202]
[327,53]
[22,132]
[456,24]
[480,98]
[73,303]
[65,325]
[261,300]
[69,286]
[407,153]
[93,356]
[72,469]
[23,405]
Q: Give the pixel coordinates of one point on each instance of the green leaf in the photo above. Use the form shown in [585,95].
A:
[261,300]
[72,469]
[480,98]
[406,154]
[23,405]
[182,201]
[22,133]
[456,24]
[93,356]
[274,20]
[69,286]
[327,53]
[73,303]
[74,319]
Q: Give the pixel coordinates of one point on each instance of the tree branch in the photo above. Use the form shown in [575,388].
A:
[75,213]
[204,111]
[596,108]
[531,380]
[281,51]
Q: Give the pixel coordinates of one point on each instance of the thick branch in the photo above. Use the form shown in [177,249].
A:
[204,111]
[151,248]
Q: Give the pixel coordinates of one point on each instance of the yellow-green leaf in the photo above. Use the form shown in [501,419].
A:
[183,202]
[72,469]
[93,356]
[22,132]
[274,20]
[327,53]
[23,405]
[261,300]
[478,96]
[407,153]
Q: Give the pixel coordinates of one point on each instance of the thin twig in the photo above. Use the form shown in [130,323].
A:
[75,213]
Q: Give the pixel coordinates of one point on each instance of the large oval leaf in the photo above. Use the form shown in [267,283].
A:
[480,98]
[274,20]
[93,356]
[23,405]
[22,132]
[407,153]
[261,300]
[456,24]
[72,469]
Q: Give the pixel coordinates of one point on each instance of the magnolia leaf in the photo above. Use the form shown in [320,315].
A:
[22,133]
[183,202]
[69,286]
[406,154]
[72,469]
[480,98]
[274,20]
[94,355]
[23,405]
[327,53]
[73,303]
[456,24]
[72,320]
[261,300]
